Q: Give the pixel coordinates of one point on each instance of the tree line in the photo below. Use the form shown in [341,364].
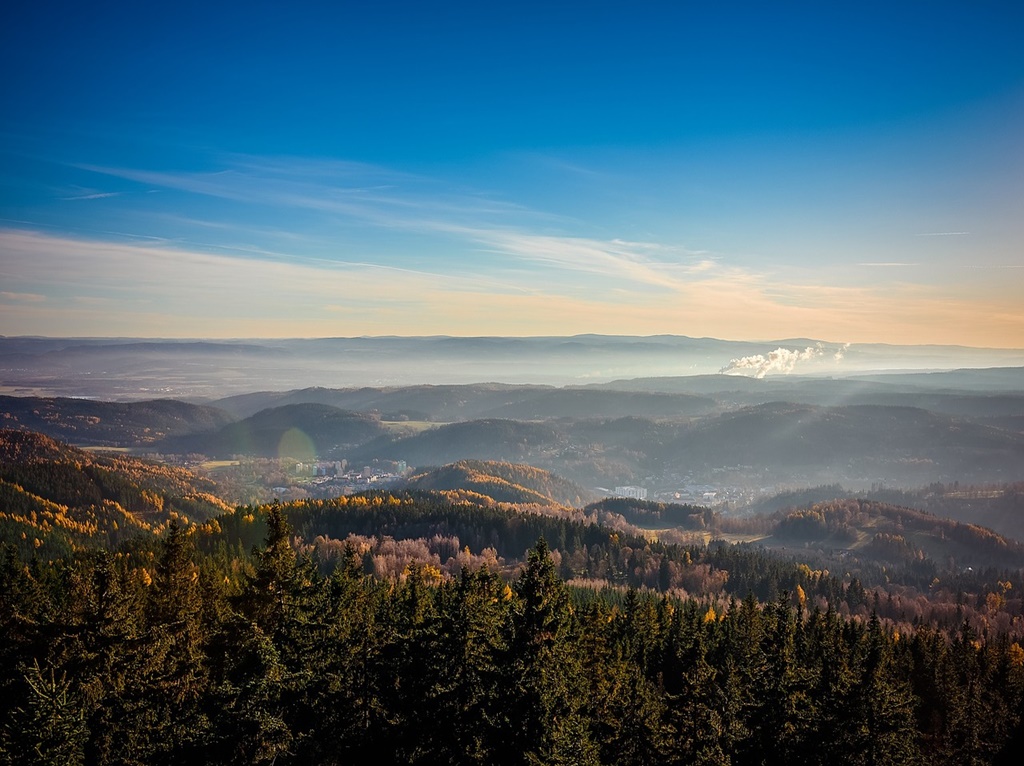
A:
[163,653]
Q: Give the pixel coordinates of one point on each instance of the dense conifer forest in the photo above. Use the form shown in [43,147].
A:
[189,648]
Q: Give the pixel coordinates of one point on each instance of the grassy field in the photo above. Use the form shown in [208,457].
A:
[213,465]
[734,538]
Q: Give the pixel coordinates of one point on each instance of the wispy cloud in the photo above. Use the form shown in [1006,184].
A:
[22,297]
[888,264]
[94,195]
[109,288]
[365,192]
[943,234]
[296,248]
[421,206]
[618,262]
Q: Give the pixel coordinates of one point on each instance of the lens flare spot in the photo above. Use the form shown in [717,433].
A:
[295,445]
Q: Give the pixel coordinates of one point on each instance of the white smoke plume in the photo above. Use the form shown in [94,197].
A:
[838,355]
[781,360]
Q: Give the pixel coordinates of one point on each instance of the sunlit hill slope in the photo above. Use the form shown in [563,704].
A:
[54,497]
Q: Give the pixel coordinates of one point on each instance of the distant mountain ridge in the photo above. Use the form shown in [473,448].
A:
[448,403]
[125,368]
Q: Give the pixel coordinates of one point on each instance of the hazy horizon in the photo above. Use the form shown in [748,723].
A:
[475,336]
[132,368]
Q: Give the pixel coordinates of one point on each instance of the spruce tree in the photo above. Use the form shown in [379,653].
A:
[544,679]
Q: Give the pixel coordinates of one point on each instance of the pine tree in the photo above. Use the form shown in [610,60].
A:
[693,695]
[100,649]
[544,678]
[347,691]
[50,729]
[260,654]
[635,713]
[176,653]
[881,708]
[269,595]
[468,696]
[24,607]
[781,726]
[829,657]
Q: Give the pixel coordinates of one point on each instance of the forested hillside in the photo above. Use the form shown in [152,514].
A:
[895,534]
[502,482]
[767,443]
[55,498]
[651,515]
[169,656]
[849,441]
[91,422]
[302,431]
[999,506]
[492,439]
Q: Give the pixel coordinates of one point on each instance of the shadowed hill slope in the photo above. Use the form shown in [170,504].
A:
[301,431]
[490,439]
[862,441]
[129,424]
[482,400]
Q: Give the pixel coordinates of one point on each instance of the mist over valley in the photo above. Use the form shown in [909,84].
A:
[729,439]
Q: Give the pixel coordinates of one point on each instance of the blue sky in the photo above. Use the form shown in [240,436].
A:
[846,171]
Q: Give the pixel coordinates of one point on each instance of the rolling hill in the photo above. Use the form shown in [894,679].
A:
[656,398]
[854,445]
[301,431]
[503,483]
[892,535]
[483,400]
[120,424]
[490,439]
[55,498]
[824,444]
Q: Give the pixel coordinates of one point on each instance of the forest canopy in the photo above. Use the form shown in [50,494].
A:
[169,652]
